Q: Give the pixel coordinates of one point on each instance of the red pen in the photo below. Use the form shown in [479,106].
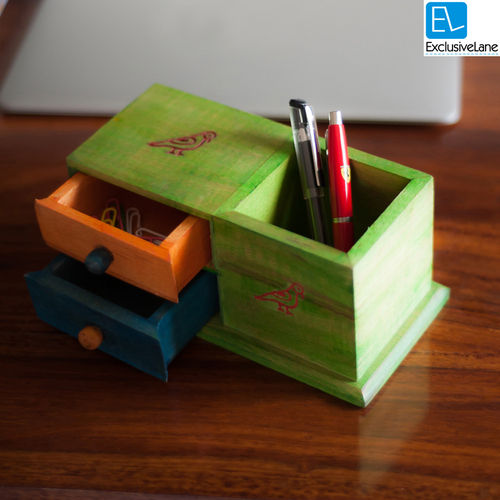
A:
[340,183]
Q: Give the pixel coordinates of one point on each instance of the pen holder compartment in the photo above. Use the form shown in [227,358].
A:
[339,321]
[278,200]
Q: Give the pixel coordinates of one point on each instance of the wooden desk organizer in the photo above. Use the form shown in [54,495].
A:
[341,322]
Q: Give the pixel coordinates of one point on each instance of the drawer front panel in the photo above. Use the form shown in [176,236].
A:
[132,261]
[125,336]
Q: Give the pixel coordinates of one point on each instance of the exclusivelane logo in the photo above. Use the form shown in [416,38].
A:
[453,28]
[446,20]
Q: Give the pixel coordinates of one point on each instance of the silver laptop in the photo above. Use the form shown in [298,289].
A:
[360,56]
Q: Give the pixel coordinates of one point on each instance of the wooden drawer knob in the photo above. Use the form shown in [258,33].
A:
[90,337]
[98,260]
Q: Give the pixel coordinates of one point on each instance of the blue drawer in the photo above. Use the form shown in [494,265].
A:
[135,326]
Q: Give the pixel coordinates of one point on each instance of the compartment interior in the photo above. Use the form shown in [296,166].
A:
[94,195]
[105,286]
[279,201]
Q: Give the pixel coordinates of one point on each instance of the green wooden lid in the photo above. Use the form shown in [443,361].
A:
[185,151]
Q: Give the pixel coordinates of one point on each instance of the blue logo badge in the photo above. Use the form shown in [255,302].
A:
[446,20]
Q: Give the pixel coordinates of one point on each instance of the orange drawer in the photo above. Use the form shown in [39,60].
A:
[69,221]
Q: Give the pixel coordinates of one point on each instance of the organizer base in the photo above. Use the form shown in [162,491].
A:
[359,392]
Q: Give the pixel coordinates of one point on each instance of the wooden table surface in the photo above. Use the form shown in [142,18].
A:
[77,424]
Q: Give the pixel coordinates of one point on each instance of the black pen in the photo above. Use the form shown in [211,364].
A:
[305,138]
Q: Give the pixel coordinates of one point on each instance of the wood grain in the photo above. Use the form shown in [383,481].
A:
[74,420]
[235,160]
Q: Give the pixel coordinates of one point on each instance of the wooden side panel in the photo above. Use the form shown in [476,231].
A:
[291,323]
[273,254]
[373,190]
[278,200]
[189,247]
[287,291]
[394,270]
[179,323]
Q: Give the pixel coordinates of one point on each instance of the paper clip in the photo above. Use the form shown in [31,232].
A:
[150,235]
[133,225]
[114,203]
[109,216]
[132,220]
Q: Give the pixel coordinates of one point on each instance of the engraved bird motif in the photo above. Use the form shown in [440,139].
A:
[286,299]
[177,145]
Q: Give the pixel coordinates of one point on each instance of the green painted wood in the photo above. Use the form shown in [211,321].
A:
[353,303]
[339,321]
[373,190]
[301,325]
[275,255]
[254,257]
[278,200]
[392,268]
[199,181]
[360,392]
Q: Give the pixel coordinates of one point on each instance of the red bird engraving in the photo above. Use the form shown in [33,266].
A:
[177,145]
[286,299]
